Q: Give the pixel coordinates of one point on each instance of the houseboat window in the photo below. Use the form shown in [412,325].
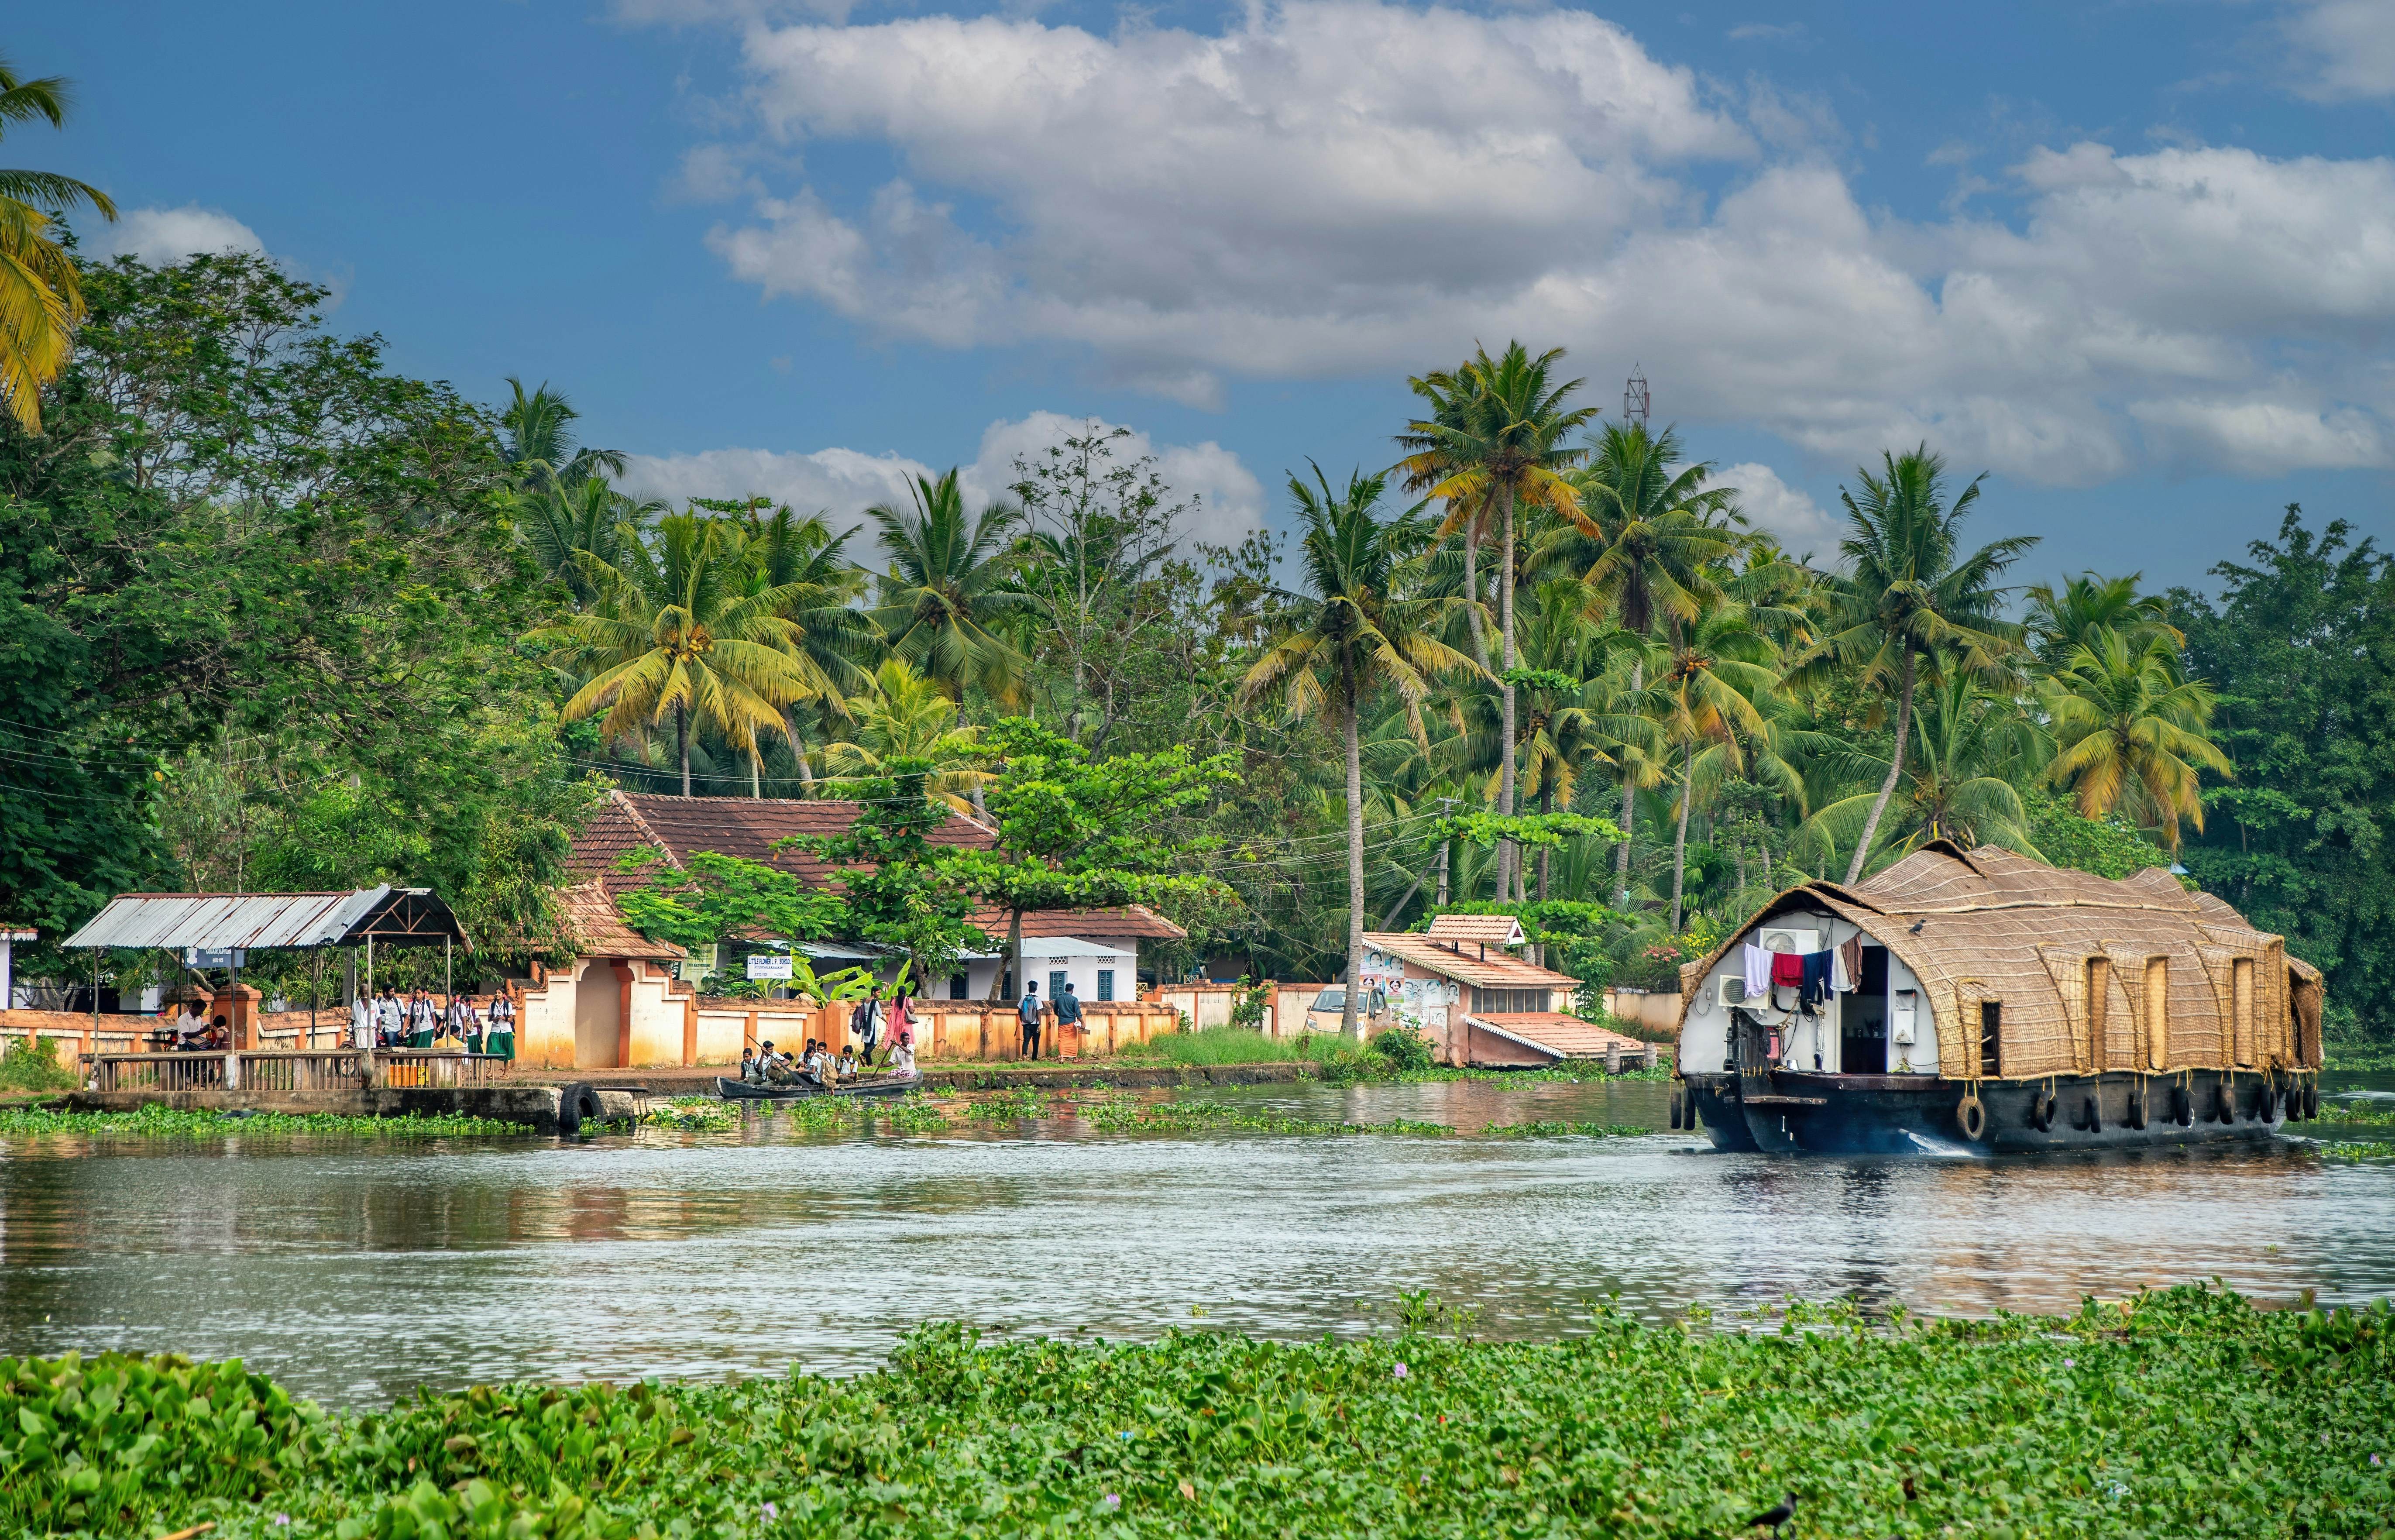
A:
[1991,1031]
[2241,974]
[2157,1012]
[2099,986]
[1105,983]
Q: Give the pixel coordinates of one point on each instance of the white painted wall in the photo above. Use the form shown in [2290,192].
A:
[1704,1037]
[1079,958]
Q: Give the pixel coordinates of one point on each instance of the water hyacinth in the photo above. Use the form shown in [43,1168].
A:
[2196,1414]
[157,1121]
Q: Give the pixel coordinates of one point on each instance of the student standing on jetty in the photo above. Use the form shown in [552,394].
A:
[391,1018]
[1030,1011]
[499,1037]
[362,1022]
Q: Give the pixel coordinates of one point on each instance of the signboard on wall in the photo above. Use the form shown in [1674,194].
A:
[769,966]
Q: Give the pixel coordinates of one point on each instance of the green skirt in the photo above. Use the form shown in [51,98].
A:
[419,1040]
[502,1044]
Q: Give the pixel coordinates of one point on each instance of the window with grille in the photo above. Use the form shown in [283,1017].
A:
[1508,1001]
[959,988]
[1105,983]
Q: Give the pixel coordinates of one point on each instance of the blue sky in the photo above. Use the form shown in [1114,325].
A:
[2136,259]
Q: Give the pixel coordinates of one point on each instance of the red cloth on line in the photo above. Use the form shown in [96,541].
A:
[1787,968]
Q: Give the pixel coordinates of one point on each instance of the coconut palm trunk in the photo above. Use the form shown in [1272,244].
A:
[1471,592]
[1349,1019]
[681,744]
[1509,860]
[1894,773]
[1680,840]
[1629,810]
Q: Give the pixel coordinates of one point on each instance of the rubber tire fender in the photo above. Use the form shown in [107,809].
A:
[2224,1104]
[2311,1101]
[2182,1106]
[2095,1114]
[2134,1113]
[1971,1116]
[1677,1116]
[2041,1119]
[577,1104]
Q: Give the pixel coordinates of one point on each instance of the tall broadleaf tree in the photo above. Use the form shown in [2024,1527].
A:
[1355,632]
[40,296]
[1909,592]
[1498,439]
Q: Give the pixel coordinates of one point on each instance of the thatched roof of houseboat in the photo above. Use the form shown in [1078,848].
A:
[2069,957]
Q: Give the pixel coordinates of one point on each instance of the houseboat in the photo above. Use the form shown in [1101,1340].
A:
[1982,1000]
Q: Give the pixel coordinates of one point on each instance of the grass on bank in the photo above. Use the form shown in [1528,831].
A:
[2184,1413]
[1335,1059]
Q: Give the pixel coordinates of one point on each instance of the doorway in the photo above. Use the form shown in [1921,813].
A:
[1862,1019]
[599,1016]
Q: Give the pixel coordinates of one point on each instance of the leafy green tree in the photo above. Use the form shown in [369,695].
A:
[258,606]
[946,602]
[41,293]
[1497,439]
[1075,831]
[897,888]
[2300,644]
[714,899]
[2129,732]
[1908,591]
[1353,633]
[677,629]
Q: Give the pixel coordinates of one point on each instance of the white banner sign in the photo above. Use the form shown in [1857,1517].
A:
[769,966]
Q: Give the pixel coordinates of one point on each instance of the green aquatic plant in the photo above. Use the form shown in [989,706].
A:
[694,1114]
[2188,1412]
[155,1121]
[1012,1105]
[1125,1115]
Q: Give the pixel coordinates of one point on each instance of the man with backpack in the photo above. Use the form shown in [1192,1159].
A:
[1029,1009]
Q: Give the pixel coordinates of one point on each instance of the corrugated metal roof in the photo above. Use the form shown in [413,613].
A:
[173,921]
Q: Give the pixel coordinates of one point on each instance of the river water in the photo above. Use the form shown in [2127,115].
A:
[356,1272]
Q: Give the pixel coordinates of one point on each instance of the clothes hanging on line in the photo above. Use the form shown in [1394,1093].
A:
[1850,952]
[1842,979]
[1757,964]
[1787,970]
[1814,982]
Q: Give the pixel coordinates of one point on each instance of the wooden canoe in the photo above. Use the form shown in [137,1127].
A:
[863,1088]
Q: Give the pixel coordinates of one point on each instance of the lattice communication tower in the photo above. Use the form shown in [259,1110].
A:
[1635,401]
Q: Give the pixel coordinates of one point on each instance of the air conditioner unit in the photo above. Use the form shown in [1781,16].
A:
[1731,990]
[1776,939]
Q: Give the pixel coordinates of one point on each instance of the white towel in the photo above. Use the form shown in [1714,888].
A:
[1758,971]
[1838,979]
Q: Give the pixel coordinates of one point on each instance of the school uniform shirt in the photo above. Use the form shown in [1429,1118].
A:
[388,1015]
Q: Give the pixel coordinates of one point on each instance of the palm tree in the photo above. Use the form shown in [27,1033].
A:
[564,523]
[537,441]
[41,301]
[800,557]
[946,602]
[1353,633]
[2130,730]
[901,715]
[1714,688]
[1970,751]
[675,628]
[1429,467]
[1497,440]
[1657,532]
[2059,623]
[1906,594]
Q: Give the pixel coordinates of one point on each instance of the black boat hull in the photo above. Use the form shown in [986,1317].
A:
[1785,1111]
[733,1090]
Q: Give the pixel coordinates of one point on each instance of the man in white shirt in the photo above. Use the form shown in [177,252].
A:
[361,1024]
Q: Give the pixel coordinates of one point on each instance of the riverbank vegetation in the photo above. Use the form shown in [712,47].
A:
[163,1123]
[2184,1413]
[280,616]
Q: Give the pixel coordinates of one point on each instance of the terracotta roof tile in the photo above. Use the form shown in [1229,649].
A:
[1564,1036]
[1499,969]
[601,931]
[1498,930]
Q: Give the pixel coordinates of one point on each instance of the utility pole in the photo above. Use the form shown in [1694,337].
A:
[1446,846]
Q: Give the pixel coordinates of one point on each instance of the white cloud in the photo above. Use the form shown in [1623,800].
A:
[1343,187]
[161,236]
[1773,505]
[2344,48]
[845,483]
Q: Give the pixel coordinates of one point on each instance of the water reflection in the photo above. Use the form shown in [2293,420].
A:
[356,1274]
